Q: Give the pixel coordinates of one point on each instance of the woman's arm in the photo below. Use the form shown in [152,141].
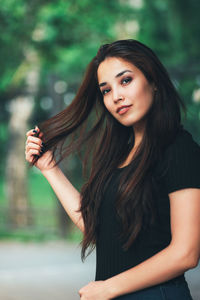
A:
[66,193]
[182,253]
[161,267]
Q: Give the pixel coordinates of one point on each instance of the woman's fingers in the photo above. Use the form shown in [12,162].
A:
[34,143]
[31,132]
[41,134]
[37,128]
[34,131]
[30,153]
[33,146]
[33,139]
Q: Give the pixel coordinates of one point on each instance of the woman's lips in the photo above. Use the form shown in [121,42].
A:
[124,110]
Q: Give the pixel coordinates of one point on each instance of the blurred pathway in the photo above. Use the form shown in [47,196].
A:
[43,271]
[53,270]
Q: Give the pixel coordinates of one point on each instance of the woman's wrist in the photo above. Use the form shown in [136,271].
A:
[111,290]
[50,171]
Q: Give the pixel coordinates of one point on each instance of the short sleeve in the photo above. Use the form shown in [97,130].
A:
[182,162]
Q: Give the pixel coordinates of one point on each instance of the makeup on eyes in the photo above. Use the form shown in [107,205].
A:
[118,75]
[127,78]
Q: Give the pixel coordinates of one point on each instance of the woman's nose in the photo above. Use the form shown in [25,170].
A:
[117,96]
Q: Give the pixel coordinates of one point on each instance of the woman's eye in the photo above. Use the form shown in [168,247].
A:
[126,80]
[105,92]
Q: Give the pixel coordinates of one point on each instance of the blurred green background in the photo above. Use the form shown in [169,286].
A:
[45,47]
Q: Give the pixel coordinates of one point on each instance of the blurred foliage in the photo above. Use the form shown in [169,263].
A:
[17,21]
[171,29]
[67,34]
[63,32]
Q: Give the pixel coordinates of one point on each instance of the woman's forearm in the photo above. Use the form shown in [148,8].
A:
[161,267]
[66,193]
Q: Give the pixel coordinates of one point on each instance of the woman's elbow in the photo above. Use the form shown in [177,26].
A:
[194,262]
[189,259]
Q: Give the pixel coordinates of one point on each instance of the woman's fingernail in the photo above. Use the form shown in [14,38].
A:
[37,128]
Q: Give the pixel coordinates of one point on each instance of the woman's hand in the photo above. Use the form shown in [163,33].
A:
[34,146]
[95,290]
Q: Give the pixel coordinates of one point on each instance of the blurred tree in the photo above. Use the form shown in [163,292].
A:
[17,21]
[172,28]
[19,74]
[16,173]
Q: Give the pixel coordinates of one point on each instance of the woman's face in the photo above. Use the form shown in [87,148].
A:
[127,94]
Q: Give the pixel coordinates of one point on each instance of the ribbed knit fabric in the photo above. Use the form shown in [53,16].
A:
[183,160]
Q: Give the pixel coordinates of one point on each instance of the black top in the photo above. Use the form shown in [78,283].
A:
[183,156]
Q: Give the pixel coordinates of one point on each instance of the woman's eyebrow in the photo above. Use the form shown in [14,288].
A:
[118,75]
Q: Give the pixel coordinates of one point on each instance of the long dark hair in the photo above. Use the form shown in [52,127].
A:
[87,127]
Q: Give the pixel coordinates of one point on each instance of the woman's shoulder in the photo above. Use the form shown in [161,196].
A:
[180,167]
[182,151]
[183,144]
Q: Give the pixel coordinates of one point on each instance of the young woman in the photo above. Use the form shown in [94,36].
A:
[140,204]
